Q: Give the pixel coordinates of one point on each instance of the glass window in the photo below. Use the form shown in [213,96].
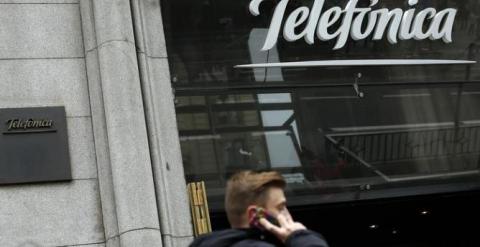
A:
[336,133]
[207,39]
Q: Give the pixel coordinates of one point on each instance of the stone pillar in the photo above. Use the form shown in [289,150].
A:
[126,182]
[158,98]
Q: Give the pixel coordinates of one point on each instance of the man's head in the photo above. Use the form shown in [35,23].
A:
[248,189]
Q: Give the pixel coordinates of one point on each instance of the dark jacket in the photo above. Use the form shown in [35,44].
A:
[256,238]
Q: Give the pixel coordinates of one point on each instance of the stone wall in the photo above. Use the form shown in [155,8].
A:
[106,62]
[42,63]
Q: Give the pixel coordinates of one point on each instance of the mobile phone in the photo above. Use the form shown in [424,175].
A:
[260,213]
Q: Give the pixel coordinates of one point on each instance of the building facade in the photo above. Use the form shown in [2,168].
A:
[361,106]
[98,59]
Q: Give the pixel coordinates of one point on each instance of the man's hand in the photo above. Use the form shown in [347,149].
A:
[287,227]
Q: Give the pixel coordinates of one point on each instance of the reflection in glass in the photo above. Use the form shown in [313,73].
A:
[209,38]
[416,130]
[332,145]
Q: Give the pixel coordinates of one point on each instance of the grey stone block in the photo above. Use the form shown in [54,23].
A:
[113,21]
[177,241]
[86,245]
[51,82]
[40,31]
[55,214]
[141,238]
[82,151]
[149,28]
[127,138]
[165,148]
[101,150]
[113,242]
[39,1]
[128,196]
[88,25]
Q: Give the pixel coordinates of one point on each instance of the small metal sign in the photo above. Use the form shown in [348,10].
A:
[34,145]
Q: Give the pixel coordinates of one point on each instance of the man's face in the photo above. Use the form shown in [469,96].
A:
[276,203]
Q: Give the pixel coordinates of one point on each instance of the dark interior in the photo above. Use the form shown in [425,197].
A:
[436,220]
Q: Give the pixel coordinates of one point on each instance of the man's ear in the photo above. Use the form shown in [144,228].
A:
[251,210]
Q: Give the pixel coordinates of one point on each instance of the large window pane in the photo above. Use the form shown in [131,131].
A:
[335,133]
[332,145]
[206,39]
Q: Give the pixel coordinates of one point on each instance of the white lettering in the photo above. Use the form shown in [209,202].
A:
[418,33]
[384,19]
[274,25]
[313,21]
[405,28]
[443,32]
[347,21]
[296,19]
[327,20]
[357,23]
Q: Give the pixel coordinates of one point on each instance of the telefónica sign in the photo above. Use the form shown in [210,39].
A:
[358,23]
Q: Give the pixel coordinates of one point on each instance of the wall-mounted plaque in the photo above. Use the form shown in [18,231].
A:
[34,145]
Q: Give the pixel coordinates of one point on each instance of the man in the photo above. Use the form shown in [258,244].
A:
[246,192]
